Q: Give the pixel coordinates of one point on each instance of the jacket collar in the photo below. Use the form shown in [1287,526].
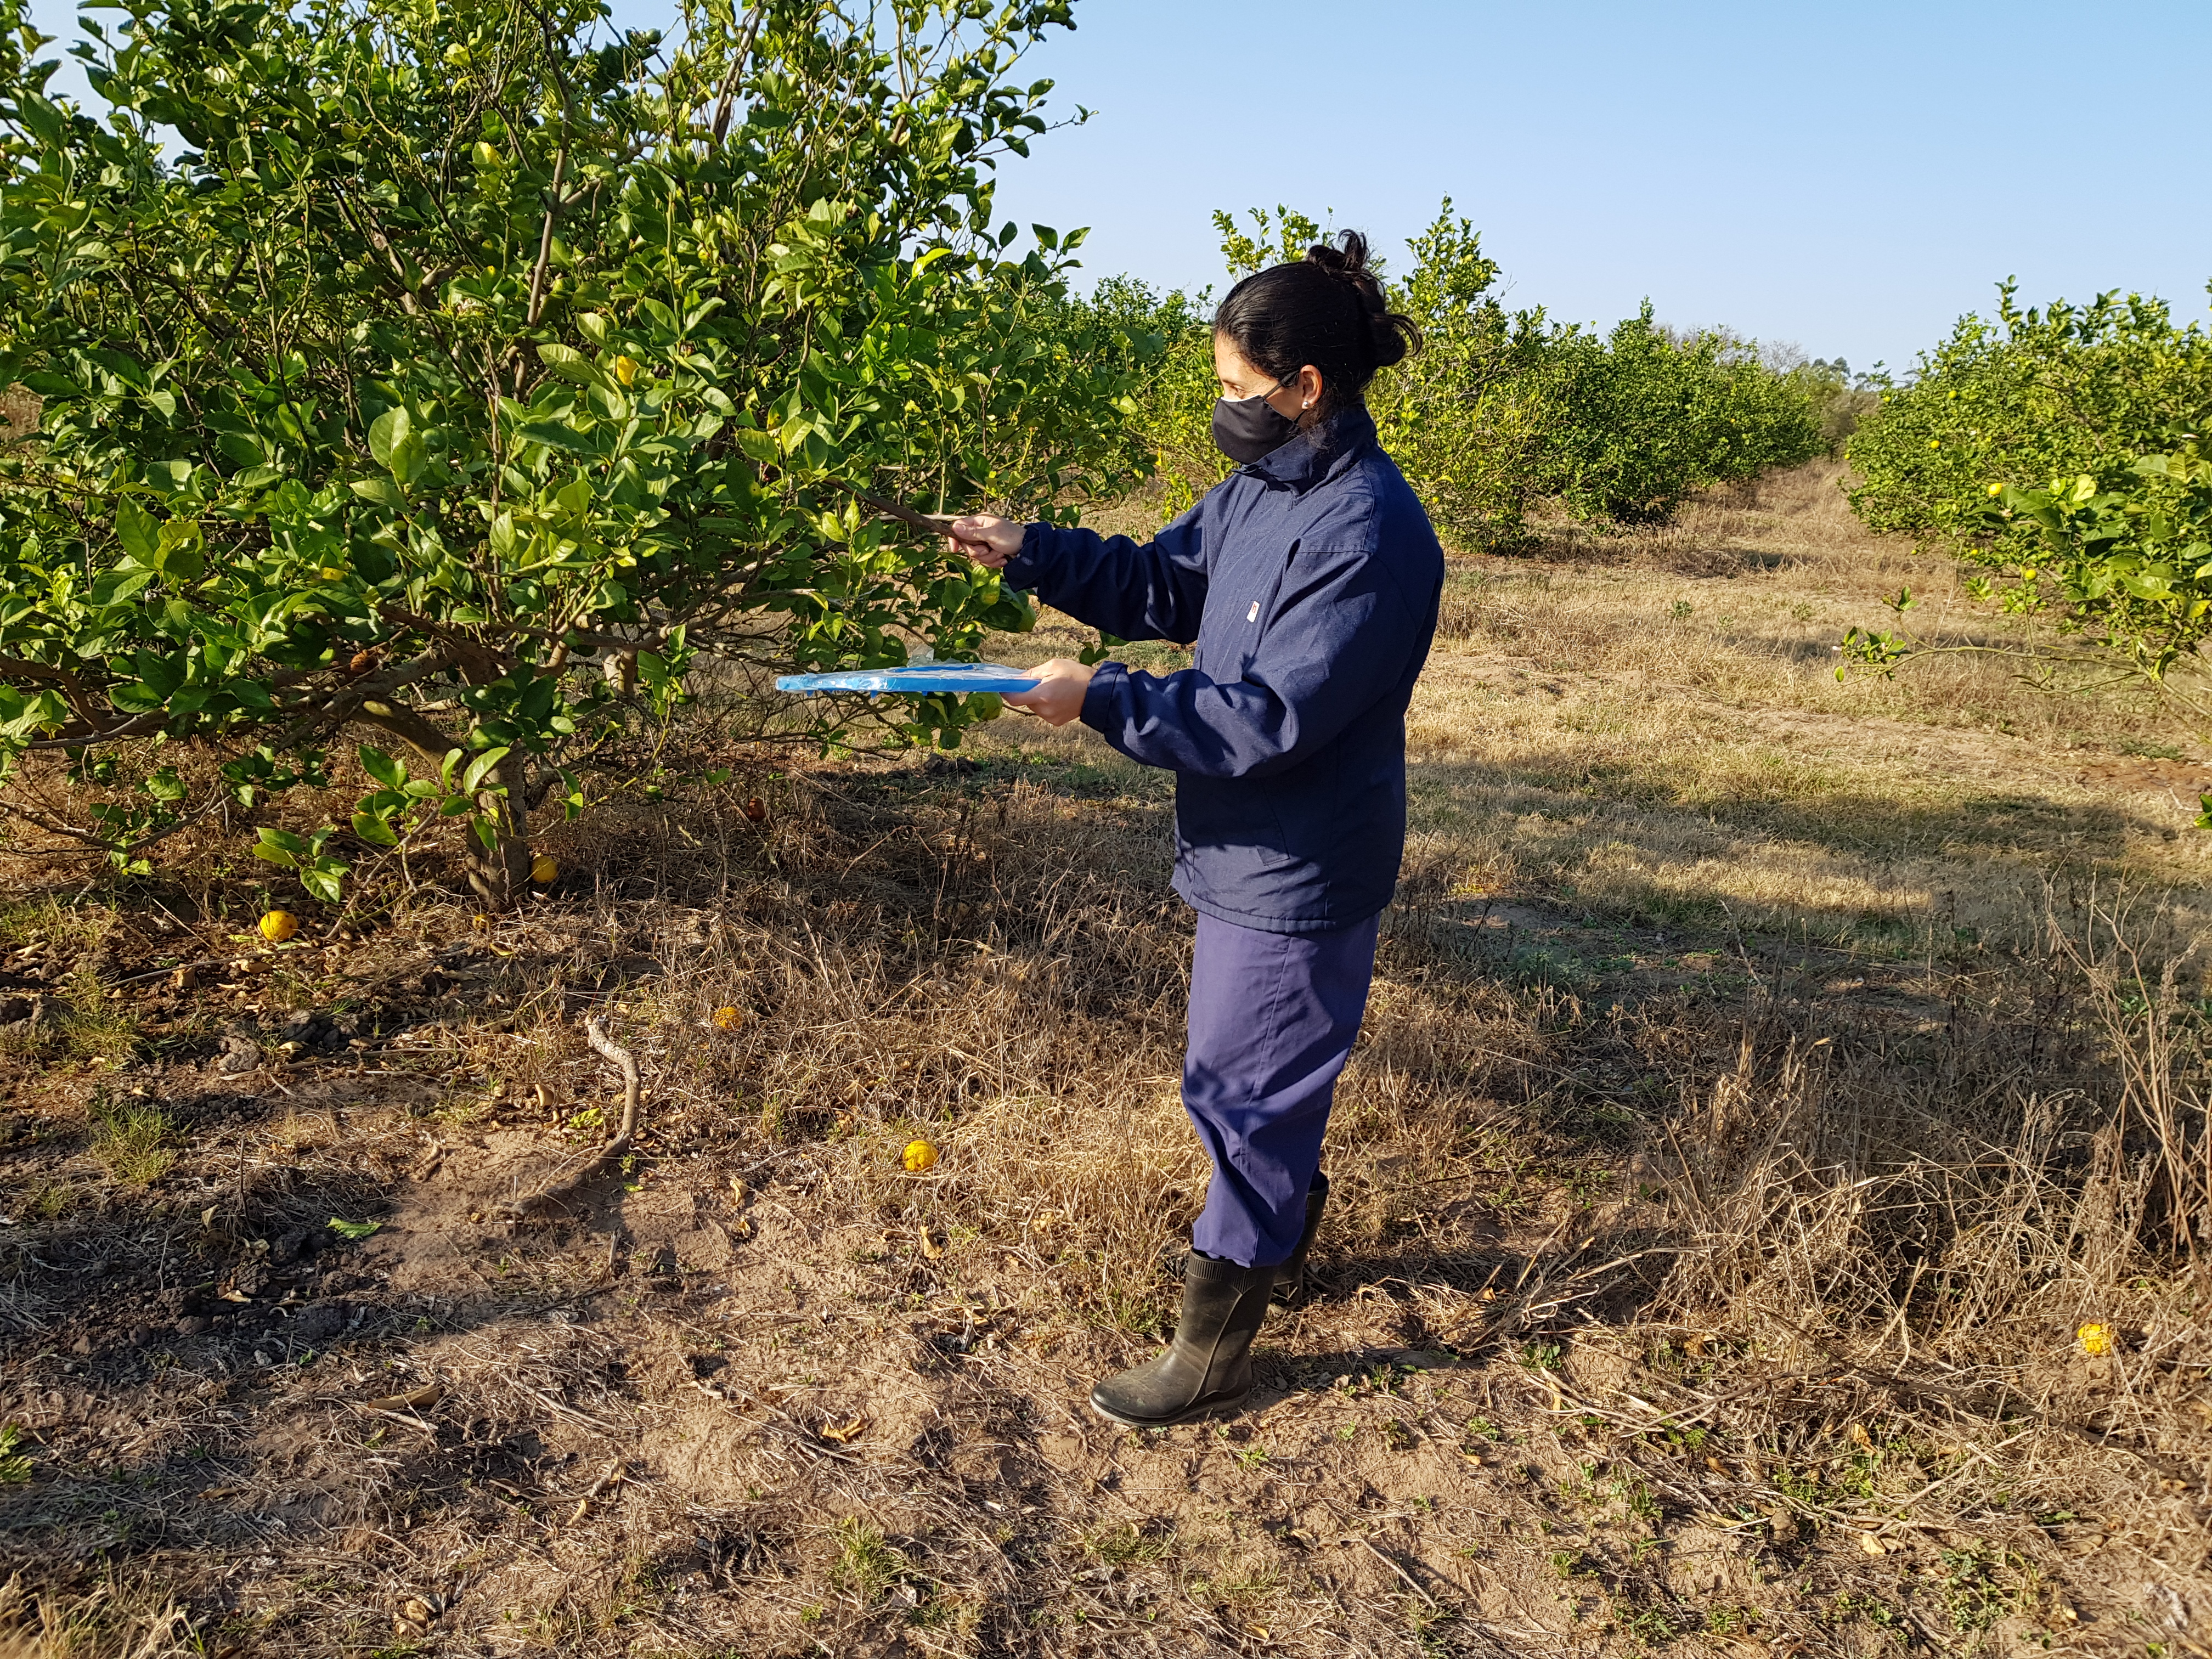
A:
[1313,454]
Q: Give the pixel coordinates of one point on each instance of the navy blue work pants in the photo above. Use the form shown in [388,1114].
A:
[1272,1017]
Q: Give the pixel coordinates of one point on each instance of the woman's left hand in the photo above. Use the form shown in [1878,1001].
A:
[1057,697]
[988,540]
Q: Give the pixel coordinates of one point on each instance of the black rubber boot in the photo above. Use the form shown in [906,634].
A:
[1291,1277]
[1208,1364]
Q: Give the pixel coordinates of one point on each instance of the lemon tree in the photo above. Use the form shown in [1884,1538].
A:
[2121,570]
[2035,394]
[457,378]
[2057,451]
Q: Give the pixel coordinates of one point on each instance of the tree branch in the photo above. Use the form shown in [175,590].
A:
[408,726]
[553,206]
[727,101]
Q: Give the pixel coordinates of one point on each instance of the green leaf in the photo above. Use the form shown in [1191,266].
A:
[386,432]
[179,551]
[382,491]
[569,365]
[381,767]
[376,830]
[353,1232]
[473,778]
[554,435]
[407,458]
[325,880]
[139,531]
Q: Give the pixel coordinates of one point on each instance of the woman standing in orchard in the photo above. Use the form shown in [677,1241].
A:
[1307,583]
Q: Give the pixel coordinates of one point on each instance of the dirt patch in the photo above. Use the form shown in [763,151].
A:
[760,1391]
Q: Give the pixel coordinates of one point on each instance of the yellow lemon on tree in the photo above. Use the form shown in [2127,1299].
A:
[625,370]
[919,1155]
[728,1019]
[1996,489]
[542,869]
[278,926]
[2094,1338]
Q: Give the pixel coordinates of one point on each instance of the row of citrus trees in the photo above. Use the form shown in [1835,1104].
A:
[2060,452]
[1503,408]
[464,378]
[463,375]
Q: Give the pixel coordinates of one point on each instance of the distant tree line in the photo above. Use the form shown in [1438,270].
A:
[1505,408]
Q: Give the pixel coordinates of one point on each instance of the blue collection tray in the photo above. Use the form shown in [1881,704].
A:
[958,676]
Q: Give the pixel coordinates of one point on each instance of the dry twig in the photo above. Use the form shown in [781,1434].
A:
[563,1187]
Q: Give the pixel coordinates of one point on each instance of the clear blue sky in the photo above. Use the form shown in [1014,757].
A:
[1849,178]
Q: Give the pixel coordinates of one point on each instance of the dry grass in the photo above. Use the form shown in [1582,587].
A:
[1743,1129]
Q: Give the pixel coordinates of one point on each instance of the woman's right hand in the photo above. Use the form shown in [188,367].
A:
[990,542]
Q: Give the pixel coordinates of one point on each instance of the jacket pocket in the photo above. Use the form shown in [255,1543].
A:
[1237,823]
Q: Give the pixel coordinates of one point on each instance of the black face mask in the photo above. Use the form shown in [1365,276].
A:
[1247,428]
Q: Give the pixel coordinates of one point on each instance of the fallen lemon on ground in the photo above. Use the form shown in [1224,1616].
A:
[920,1155]
[278,926]
[2094,1338]
[542,869]
[728,1019]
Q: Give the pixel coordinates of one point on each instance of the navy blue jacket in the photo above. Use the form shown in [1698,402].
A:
[1308,581]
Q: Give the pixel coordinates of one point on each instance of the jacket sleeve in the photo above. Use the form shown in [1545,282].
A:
[1340,638]
[1152,590]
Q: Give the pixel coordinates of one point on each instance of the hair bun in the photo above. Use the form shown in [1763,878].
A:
[1392,335]
[1327,311]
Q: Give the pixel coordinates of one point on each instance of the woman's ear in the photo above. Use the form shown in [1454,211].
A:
[1310,387]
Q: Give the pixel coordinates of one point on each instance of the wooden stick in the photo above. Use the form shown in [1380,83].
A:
[614,1472]
[563,1187]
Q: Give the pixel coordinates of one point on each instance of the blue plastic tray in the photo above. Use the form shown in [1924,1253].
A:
[958,677]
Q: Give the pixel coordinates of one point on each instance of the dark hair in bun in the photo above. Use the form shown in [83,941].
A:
[1326,309]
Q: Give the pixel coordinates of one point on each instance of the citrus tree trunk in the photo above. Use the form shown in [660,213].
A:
[499,874]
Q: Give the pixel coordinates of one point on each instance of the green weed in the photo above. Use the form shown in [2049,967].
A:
[1128,1544]
[1976,1600]
[51,1200]
[131,1141]
[1542,1356]
[14,1466]
[866,1565]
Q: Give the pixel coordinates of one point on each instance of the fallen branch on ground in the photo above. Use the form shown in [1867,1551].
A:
[563,1187]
